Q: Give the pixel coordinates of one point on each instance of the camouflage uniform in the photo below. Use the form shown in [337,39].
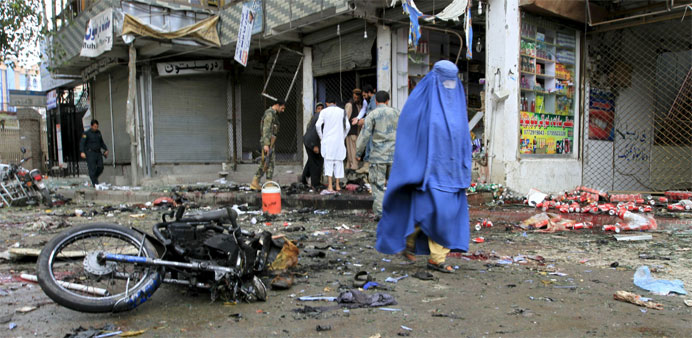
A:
[380,126]
[270,128]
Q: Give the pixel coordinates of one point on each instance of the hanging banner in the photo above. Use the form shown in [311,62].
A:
[242,46]
[98,37]
[189,67]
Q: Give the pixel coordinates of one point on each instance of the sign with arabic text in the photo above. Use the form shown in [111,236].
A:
[189,67]
[242,46]
[27,98]
[98,37]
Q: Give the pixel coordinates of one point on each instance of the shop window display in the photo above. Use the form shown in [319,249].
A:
[548,81]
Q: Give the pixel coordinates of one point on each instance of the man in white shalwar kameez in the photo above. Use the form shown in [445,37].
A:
[335,123]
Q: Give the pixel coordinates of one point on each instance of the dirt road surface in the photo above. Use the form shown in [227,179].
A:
[515,284]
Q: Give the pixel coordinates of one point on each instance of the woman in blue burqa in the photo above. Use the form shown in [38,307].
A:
[425,209]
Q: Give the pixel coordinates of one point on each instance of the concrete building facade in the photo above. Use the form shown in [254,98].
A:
[188,125]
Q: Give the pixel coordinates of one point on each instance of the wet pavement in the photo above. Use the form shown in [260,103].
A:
[515,283]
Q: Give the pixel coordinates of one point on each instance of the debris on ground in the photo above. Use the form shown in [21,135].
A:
[357,299]
[49,223]
[287,258]
[133,333]
[281,282]
[446,315]
[26,309]
[91,332]
[633,238]
[395,279]
[320,328]
[643,279]
[164,201]
[637,300]
[423,275]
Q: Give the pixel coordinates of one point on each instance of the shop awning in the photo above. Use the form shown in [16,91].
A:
[203,31]
[574,10]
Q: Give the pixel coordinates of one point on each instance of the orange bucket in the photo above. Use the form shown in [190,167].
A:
[271,198]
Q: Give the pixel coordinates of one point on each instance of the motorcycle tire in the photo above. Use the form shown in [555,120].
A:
[68,288]
[45,196]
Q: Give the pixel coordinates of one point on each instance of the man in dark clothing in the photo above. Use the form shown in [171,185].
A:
[311,141]
[90,148]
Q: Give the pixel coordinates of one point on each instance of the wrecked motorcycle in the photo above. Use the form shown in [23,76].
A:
[19,186]
[111,268]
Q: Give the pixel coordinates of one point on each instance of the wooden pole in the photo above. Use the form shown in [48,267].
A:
[130,111]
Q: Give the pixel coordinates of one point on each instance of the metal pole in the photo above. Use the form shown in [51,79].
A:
[266,84]
[300,63]
[110,101]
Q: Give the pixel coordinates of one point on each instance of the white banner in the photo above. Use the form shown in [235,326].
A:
[189,67]
[242,47]
[98,37]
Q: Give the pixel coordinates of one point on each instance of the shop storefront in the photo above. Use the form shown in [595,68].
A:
[548,83]
[532,98]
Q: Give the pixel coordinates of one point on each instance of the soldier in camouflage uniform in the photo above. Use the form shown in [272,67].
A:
[269,129]
[380,124]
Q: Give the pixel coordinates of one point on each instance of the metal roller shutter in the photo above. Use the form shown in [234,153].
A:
[120,149]
[190,119]
[355,53]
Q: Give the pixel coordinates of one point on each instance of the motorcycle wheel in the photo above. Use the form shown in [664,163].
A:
[45,195]
[70,273]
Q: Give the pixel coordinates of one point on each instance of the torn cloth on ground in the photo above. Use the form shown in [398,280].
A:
[643,279]
[356,299]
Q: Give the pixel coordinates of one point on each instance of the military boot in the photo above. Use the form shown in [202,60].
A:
[255,184]
[364,169]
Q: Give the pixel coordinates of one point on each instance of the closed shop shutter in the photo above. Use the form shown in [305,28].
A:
[120,148]
[190,119]
[355,53]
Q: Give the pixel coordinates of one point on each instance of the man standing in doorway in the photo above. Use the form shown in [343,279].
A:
[269,129]
[315,162]
[90,147]
[380,127]
[333,149]
[352,108]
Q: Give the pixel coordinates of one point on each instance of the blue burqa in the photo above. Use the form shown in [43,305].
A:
[431,168]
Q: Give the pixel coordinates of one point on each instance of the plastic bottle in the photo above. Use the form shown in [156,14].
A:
[635,221]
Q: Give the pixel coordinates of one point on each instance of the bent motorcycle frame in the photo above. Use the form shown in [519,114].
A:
[198,266]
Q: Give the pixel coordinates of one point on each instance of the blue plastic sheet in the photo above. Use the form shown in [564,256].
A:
[643,279]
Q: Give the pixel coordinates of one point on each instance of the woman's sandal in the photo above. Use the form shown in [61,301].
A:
[442,267]
[408,255]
